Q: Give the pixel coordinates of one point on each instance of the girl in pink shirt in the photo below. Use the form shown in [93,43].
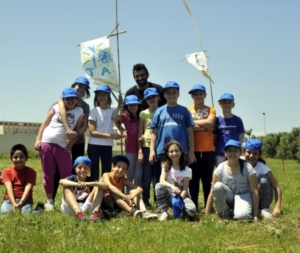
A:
[130,119]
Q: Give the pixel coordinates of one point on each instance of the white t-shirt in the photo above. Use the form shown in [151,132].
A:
[261,169]
[55,132]
[176,177]
[104,124]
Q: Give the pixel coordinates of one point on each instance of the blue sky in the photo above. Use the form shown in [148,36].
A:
[253,49]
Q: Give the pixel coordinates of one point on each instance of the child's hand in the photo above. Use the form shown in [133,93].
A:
[37,145]
[127,199]
[70,134]
[141,157]
[120,100]
[176,190]
[191,158]
[152,157]
[116,136]
[141,139]
[124,134]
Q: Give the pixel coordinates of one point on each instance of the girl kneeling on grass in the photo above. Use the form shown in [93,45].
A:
[266,180]
[18,181]
[79,195]
[234,186]
[114,195]
[174,180]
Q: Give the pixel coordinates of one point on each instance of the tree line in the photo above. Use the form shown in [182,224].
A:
[283,145]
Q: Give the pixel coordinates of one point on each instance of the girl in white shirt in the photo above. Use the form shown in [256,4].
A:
[52,142]
[174,180]
[101,132]
[267,183]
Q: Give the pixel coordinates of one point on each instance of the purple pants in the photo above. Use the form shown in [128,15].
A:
[52,154]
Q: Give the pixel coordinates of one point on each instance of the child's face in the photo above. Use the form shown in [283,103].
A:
[70,102]
[252,156]
[198,97]
[81,89]
[133,108]
[102,97]
[174,153]
[226,105]
[82,170]
[19,159]
[232,153]
[120,169]
[152,100]
[171,95]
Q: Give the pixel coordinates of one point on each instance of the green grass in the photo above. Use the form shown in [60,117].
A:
[54,232]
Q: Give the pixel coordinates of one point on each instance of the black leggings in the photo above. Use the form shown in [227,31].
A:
[202,169]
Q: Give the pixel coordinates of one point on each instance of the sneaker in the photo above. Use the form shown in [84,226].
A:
[39,207]
[80,216]
[158,209]
[266,213]
[136,213]
[48,206]
[164,216]
[95,215]
[147,215]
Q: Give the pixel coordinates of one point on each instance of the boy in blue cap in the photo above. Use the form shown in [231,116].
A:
[171,122]
[228,126]
[79,193]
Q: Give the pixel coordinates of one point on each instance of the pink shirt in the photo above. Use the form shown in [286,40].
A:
[132,128]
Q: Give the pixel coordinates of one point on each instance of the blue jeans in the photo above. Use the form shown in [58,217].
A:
[7,207]
[148,175]
[105,154]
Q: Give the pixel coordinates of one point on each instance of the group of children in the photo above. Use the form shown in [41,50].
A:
[160,143]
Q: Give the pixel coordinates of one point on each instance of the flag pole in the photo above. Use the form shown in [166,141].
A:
[119,69]
[201,46]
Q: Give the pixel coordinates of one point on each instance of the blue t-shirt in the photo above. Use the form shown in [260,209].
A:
[227,129]
[171,124]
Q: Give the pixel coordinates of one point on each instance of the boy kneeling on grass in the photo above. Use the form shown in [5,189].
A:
[116,182]
[81,193]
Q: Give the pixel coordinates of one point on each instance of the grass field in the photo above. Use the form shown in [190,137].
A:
[55,232]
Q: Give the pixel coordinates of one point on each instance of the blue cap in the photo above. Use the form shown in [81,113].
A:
[131,100]
[226,96]
[82,80]
[253,144]
[177,205]
[83,159]
[170,84]
[121,158]
[69,92]
[232,143]
[150,92]
[103,88]
[197,87]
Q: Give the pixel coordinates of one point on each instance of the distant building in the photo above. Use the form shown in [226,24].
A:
[12,132]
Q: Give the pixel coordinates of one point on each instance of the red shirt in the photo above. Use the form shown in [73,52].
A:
[19,179]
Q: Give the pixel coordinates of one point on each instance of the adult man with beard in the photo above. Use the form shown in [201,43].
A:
[141,75]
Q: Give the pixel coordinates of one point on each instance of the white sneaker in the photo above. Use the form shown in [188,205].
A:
[148,215]
[48,206]
[164,216]
[266,213]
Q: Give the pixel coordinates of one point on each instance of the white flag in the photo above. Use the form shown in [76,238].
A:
[199,61]
[98,64]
